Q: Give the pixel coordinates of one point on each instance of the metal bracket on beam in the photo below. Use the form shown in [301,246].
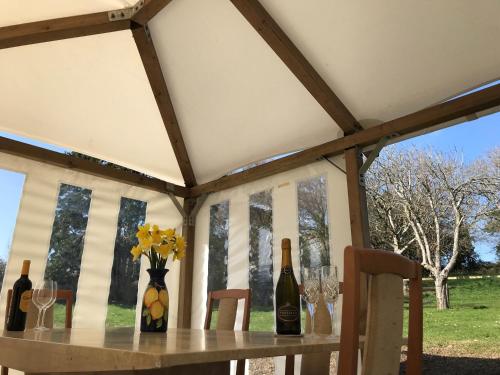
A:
[170,188]
[125,13]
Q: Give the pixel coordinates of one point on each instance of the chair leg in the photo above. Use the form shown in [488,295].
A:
[240,367]
[290,365]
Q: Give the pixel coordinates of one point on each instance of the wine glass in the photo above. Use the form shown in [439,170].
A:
[44,296]
[311,292]
[330,289]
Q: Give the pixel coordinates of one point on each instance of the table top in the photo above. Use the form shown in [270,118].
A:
[117,349]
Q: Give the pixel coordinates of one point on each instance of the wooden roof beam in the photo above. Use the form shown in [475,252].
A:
[276,38]
[451,110]
[148,10]
[63,28]
[158,85]
[39,154]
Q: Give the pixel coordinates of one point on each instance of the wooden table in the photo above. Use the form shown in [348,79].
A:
[123,350]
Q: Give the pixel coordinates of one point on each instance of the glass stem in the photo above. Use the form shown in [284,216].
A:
[330,306]
[39,316]
[333,322]
[43,317]
[312,323]
[311,308]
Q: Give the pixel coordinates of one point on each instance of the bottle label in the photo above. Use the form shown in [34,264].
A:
[24,302]
[288,313]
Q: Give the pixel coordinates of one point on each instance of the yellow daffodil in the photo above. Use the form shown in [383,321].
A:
[156,234]
[136,252]
[158,244]
[146,242]
[180,243]
[169,234]
[180,247]
[164,250]
[143,231]
[179,254]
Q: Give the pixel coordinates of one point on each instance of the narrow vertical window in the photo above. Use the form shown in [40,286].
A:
[218,246]
[261,260]
[11,190]
[313,222]
[125,273]
[68,235]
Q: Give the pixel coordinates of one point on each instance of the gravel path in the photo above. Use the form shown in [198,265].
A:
[438,361]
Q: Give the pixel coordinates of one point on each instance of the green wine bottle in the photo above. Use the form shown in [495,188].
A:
[21,297]
[287,295]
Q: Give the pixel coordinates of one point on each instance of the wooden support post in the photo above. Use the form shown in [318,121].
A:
[187,264]
[358,214]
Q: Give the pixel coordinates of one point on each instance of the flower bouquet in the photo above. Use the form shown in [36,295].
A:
[157,245]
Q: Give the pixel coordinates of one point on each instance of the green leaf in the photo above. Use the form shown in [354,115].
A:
[145,312]
[148,320]
[159,322]
[165,315]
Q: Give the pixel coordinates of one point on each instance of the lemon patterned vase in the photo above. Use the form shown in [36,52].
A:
[154,316]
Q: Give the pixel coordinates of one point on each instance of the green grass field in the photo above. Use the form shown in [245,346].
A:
[471,327]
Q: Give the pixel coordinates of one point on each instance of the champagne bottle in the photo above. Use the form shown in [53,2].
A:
[287,295]
[21,297]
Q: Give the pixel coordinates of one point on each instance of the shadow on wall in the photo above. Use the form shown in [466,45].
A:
[436,364]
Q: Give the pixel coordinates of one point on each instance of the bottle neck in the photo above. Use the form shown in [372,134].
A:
[286,258]
[26,268]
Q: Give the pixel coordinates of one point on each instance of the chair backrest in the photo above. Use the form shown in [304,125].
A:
[31,317]
[228,306]
[384,333]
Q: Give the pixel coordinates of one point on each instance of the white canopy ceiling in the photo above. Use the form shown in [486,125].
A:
[235,100]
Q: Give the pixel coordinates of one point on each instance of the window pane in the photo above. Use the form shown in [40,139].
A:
[125,273]
[313,223]
[218,246]
[217,250]
[68,234]
[11,190]
[261,261]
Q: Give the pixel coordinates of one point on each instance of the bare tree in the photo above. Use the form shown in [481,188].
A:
[424,199]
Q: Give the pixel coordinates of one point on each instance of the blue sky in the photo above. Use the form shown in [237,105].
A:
[473,139]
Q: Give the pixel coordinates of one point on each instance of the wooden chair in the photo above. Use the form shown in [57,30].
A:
[32,316]
[228,305]
[316,363]
[384,332]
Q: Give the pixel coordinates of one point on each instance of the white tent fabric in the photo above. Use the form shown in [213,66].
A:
[230,91]
[285,216]
[34,228]
[89,95]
